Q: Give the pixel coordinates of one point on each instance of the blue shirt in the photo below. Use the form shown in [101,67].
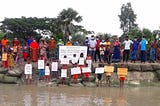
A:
[135,45]
[143,44]
[29,41]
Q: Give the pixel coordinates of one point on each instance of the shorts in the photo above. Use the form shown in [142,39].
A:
[108,78]
[86,75]
[28,76]
[99,76]
[47,76]
[41,72]
[121,78]
[75,76]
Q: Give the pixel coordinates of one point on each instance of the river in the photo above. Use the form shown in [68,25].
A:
[32,95]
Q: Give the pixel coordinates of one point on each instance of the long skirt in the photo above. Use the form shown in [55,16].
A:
[34,54]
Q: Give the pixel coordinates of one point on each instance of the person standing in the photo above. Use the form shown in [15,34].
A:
[92,47]
[143,48]
[152,51]
[34,50]
[52,48]
[97,52]
[43,48]
[134,50]
[116,52]
[108,51]
[15,42]
[127,43]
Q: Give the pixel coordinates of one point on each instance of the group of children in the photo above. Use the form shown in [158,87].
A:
[76,67]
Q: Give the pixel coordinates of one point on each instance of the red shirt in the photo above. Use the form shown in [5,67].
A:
[16,42]
[98,44]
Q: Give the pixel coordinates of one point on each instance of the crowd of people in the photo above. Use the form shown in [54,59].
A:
[98,50]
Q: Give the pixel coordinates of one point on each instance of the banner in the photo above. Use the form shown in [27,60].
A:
[122,71]
[70,50]
[76,70]
[40,64]
[28,69]
[108,69]
[86,69]
[63,73]
[54,66]
[99,70]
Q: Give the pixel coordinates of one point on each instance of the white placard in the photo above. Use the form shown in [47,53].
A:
[54,66]
[70,50]
[64,61]
[89,62]
[28,69]
[47,70]
[40,64]
[63,73]
[86,69]
[99,70]
[74,60]
[75,70]
[81,61]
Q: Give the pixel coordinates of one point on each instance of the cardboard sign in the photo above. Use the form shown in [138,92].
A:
[40,64]
[47,70]
[89,62]
[81,61]
[108,69]
[28,69]
[86,69]
[122,71]
[64,61]
[63,73]
[76,70]
[99,70]
[74,60]
[54,66]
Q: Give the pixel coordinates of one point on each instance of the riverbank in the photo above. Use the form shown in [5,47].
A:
[138,75]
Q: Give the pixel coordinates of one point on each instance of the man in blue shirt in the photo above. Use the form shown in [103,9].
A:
[134,50]
[143,47]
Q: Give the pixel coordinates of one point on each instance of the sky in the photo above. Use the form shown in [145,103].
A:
[98,15]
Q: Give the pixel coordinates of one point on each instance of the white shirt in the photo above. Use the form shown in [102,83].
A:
[127,44]
[92,43]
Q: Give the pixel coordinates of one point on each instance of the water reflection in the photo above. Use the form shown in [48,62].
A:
[81,96]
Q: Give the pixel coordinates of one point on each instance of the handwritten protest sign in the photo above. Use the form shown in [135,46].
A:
[76,70]
[40,64]
[64,61]
[81,61]
[108,69]
[86,69]
[70,50]
[28,69]
[63,73]
[47,70]
[54,66]
[122,71]
[89,62]
[99,70]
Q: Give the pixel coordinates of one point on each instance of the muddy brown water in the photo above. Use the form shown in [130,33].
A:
[32,95]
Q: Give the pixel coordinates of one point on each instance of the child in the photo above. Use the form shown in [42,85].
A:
[87,74]
[11,59]
[47,73]
[109,72]
[102,51]
[5,59]
[99,76]
[54,69]
[25,52]
[15,50]
[28,72]
[81,62]
[122,72]
[74,65]
[41,67]
[64,69]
